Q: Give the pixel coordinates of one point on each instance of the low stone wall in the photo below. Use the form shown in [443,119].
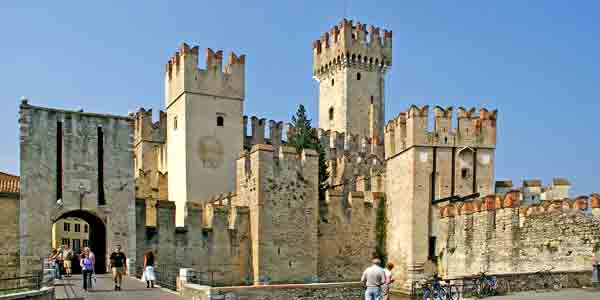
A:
[321,291]
[46,293]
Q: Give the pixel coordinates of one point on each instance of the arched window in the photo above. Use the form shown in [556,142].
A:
[358,76]
[371,99]
[332,82]
[331,114]
[220,121]
[175,123]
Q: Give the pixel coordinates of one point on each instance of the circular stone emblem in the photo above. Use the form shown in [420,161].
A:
[210,152]
[484,159]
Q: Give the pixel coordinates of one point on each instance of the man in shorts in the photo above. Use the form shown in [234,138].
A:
[67,255]
[118,266]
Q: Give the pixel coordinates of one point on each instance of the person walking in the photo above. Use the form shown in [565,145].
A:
[149,276]
[67,255]
[385,289]
[55,261]
[87,269]
[118,266]
[373,278]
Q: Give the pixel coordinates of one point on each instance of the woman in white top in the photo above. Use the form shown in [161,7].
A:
[385,288]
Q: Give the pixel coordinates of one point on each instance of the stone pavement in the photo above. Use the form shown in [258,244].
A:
[572,294]
[70,288]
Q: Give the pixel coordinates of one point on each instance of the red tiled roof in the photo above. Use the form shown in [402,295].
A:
[9,183]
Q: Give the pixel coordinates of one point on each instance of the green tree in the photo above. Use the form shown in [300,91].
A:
[305,137]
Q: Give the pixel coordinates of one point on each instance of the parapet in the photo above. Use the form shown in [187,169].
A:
[257,132]
[146,130]
[512,200]
[352,45]
[183,74]
[338,144]
[410,128]
[266,156]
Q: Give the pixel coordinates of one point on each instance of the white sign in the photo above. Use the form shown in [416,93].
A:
[423,156]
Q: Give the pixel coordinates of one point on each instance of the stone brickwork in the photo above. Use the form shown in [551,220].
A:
[350,63]
[423,166]
[204,128]
[321,291]
[500,236]
[347,235]
[9,234]
[281,190]
[41,129]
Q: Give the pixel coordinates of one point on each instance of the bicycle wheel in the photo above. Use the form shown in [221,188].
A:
[503,287]
[426,293]
[452,293]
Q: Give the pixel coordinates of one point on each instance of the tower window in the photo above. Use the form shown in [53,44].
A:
[175,123]
[220,121]
[464,173]
[371,99]
[331,114]
[332,82]
[358,76]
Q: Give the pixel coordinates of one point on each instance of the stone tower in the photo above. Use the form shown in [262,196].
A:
[204,124]
[425,165]
[349,63]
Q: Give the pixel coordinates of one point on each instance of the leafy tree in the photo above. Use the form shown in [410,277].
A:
[305,137]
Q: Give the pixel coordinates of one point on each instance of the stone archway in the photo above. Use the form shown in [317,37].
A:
[97,239]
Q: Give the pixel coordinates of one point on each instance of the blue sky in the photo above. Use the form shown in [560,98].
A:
[537,62]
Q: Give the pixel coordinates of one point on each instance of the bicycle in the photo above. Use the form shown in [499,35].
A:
[434,290]
[486,285]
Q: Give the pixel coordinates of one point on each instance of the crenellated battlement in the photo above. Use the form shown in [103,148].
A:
[257,134]
[337,144]
[182,74]
[352,45]
[513,200]
[146,130]
[267,156]
[534,191]
[410,128]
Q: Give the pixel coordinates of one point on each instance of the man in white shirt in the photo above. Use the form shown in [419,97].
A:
[373,278]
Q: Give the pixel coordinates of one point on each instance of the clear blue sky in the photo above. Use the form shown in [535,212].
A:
[537,62]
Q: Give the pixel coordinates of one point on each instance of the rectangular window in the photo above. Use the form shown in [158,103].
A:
[67,227]
[85,228]
[77,227]
[101,200]
[66,242]
[59,162]
[432,241]
[86,243]
[76,245]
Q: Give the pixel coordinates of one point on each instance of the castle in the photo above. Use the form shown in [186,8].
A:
[223,193]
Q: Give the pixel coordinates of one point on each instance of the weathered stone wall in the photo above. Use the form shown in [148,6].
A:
[9,234]
[347,235]
[281,190]
[38,204]
[423,166]
[203,150]
[500,236]
[326,291]
[214,243]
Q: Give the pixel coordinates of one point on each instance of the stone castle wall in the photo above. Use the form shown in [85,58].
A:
[39,135]
[498,235]
[347,235]
[9,234]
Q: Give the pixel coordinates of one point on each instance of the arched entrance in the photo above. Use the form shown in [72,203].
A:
[97,235]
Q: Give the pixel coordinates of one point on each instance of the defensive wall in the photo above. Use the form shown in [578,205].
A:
[499,235]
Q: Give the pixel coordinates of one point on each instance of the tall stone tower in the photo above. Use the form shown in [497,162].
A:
[204,124]
[423,166]
[349,63]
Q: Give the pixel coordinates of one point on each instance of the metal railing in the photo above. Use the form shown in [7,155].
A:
[22,283]
[166,276]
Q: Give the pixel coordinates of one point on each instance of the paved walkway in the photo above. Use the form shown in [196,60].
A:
[70,288]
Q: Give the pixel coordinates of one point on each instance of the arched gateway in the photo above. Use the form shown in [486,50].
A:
[75,164]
